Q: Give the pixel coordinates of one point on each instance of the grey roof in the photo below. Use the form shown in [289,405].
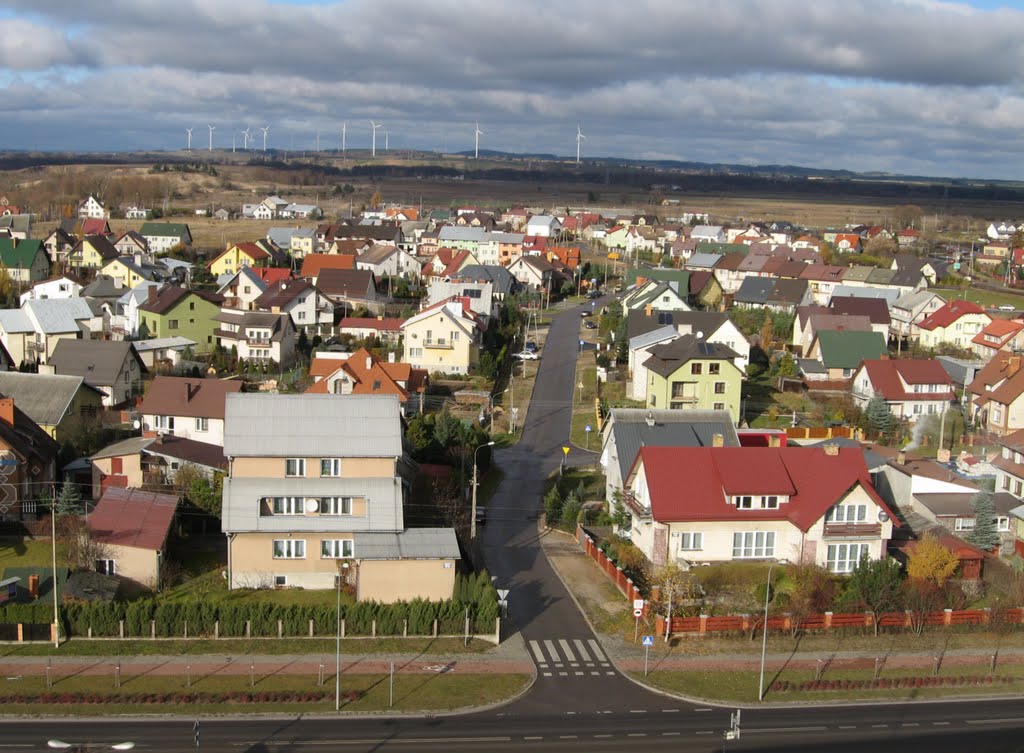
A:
[871,458]
[15,320]
[703,261]
[667,332]
[666,359]
[811,366]
[99,362]
[672,428]
[1018,512]
[160,343]
[263,425]
[43,397]
[755,290]
[960,370]
[855,291]
[57,315]
[140,292]
[457,233]
[128,446]
[502,280]
[952,503]
[104,286]
[280,236]
[412,544]
[913,299]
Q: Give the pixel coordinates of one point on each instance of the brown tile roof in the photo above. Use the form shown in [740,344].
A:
[170,296]
[180,396]
[314,264]
[1001,380]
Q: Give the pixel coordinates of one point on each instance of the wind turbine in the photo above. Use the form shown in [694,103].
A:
[265,129]
[344,127]
[373,147]
[318,139]
[245,144]
[212,129]
[189,132]
[386,135]
[579,138]
[476,142]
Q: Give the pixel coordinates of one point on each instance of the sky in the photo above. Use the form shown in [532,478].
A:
[902,86]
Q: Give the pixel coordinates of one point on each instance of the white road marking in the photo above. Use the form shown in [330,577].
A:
[879,726]
[705,733]
[535,647]
[669,734]
[596,650]
[534,737]
[602,736]
[609,673]
[637,734]
[579,674]
[699,710]
[910,724]
[582,649]
[670,711]
[788,729]
[552,651]
[547,674]
[941,724]
[638,711]
[566,649]
[847,726]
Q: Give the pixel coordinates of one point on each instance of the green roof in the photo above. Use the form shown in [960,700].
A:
[722,248]
[681,276]
[45,574]
[846,350]
[20,255]
[176,229]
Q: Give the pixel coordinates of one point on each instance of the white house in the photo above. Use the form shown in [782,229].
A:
[912,388]
[60,287]
[543,225]
[189,408]
[91,209]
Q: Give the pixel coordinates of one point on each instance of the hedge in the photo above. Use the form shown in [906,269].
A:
[473,592]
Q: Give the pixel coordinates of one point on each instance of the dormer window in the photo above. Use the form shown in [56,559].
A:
[750,502]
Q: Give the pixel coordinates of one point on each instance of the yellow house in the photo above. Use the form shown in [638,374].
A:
[444,338]
[93,252]
[125,271]
[233,258]
[691,374]
[55,402]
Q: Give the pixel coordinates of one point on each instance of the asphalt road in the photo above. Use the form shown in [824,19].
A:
[576,702]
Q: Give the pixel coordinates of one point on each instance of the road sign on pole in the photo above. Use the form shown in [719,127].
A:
[588,428]
[647,642]
[638,613]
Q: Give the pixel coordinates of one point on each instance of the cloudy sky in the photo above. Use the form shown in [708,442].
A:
[911,86]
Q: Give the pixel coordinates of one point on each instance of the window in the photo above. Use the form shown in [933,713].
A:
[163,422]
[847,373]
[1017,487]
[191,305]
[202,424]
[843,558]
[753,544]
[289,549]
[696,368]
[105,567]
[172,324]
[335,548]
[847,514]
[964,524]
[295,467]
[336,506]
[770,503]
[1002,523]
[1006,483]
[719,388]
[744,503]
[691,541]
[280,581]
[330,466]
[286,505]
[415,352]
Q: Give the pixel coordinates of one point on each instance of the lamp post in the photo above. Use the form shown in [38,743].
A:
[53,549]
[472,519]
[342,569]
[764,630]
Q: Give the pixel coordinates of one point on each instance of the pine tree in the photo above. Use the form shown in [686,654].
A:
[984,534]
[68,501]
[878,414]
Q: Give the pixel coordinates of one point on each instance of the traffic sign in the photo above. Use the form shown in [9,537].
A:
[648,641]
[638,603]
[588,428]
[502,594]
[565,449]
[638,613]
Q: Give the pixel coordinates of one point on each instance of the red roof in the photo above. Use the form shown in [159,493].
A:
[813,479]
[386,324]
[886,374]
[949,314]
[1001,329]
[134,518]
[272,274]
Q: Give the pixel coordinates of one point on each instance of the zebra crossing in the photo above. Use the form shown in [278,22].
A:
[570,657]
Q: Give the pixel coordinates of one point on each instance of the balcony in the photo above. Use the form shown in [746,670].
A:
[853,530]
[440,343]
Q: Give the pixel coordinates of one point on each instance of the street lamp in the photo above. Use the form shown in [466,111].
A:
[472,520]
[764,628]
[342,569]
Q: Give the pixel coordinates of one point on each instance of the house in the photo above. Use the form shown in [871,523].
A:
[385,260]
[909,310]
[308,308]
[775,295]
[80,228]
[163,352]
[92,252]
[59,245]
[361,373]
[300,212]
[999,334]
[798,504]
[480,295]
[688,373]
[131,243]
[997,392]
[714,327]
[629,429]
[841,352]
[25,261]
[386,329]
[30,461]
[1010,464]
[188,408]
[54,403]
[708,234]
[657,294]
[446,262]
[503,284]
[163,236]
[91,209]
[110,366]
[847,243]
[173,311]
[810,320]
[916,266]
[134,462]
[534,272]
[241,289]
[912,388]
[323,489]
[232,259]
[313,264]
[65,286]
[303,241]
[348,288]
[130,271]
[444,337]
[908,237]
[875,309]
[30,334]
[131,527]
[257,336]
[956,323]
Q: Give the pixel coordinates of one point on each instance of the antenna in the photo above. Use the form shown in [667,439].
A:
[265,129]
[579,138]
[373,147]
[189,132]
[476,141]
[212,129]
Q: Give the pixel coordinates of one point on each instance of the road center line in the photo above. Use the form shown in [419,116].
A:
[788,729]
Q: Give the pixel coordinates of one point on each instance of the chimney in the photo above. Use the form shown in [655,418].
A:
[774,440]
[369,362]
[650,419]
[33,586]
[391,357]
[191,390]
[151,294]
[901,457]
[138,259]
[7,411]
[832,450]
[717,440]
[47,368]
[1013,366]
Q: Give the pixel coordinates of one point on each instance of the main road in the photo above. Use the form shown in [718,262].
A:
[578,699]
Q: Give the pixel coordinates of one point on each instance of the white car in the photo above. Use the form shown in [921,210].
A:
[527,356]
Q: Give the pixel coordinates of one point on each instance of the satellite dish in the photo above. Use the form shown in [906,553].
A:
[312,504]
[883,516]
[700,335]
[136,424]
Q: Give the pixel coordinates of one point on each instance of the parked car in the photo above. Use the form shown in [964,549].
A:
[589,325]
[530,347]
[585,313]
[481,515]
[527,356]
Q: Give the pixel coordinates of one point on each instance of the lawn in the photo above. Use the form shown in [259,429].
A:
[367,692]
[984,297]
[18,552]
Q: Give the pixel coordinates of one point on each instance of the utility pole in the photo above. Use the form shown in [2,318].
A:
[53,549]
[472,519]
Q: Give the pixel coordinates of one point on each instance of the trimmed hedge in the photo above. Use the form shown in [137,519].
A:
[474,593]
[889,683]
[185,697]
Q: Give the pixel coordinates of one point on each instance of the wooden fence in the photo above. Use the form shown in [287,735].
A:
[614,573]
[829,620]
